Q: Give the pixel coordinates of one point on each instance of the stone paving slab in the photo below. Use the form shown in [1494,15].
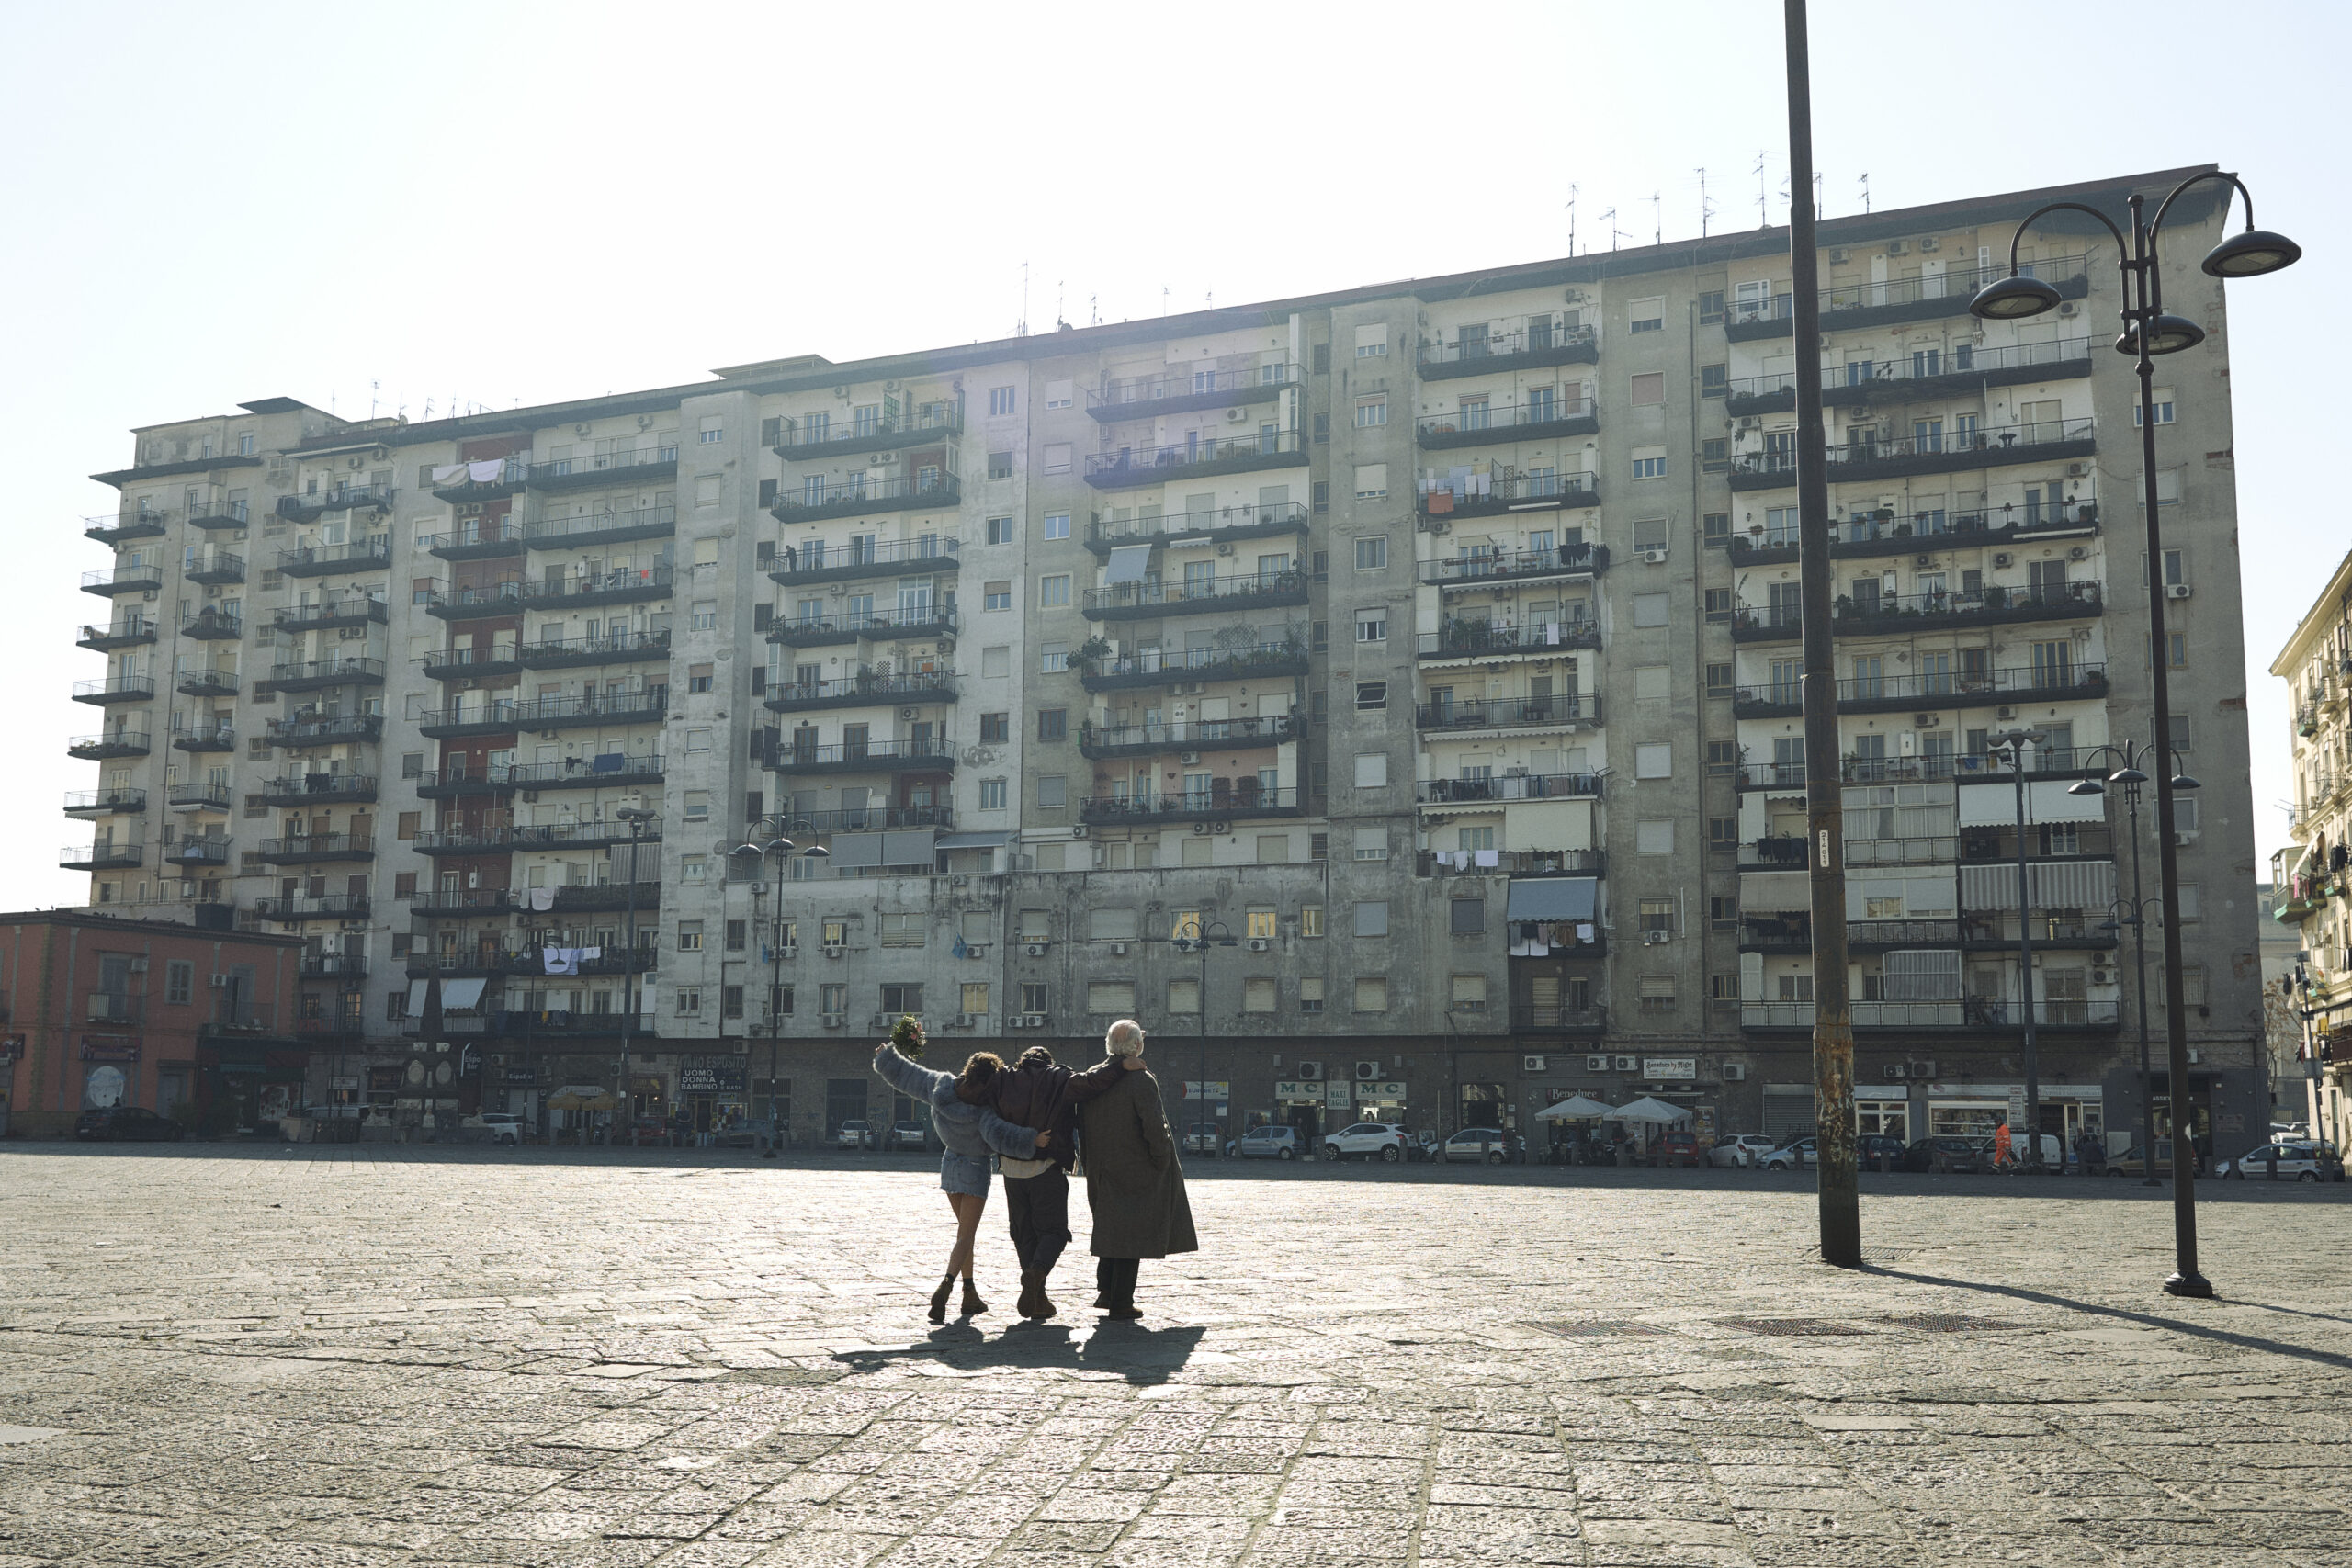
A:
[297,1358]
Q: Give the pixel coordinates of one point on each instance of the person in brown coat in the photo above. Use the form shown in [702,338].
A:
[1135,1183]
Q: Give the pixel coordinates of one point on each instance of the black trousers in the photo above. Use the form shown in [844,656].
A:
[1115,1278]
[1039,1207]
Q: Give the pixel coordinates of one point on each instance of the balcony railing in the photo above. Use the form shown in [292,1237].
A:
[213,625]
[205,797]
[791,752]
[1922,452]
[615,584]
[1894,612]
[859,494]
[105,854]
[868,820]
[1210,455]
[1792,932]
[1488,569]
[116,689]
[1966,1012]
[323,907]
[1529,347]
[805,631]
[341,498]
[820,436]
[1138,739]
[860,690]
[609,648]
[642,706]
[582,835]
[1191,664]
[122,579]
[113,743]
[1195,595]
[213,568]
[335,609]
[1486,495]
[206,682]
[818,561]
[1961,362]
[596,468]
[1242,520]
[1225,797]
[600,527]
[476,540]
[1591,1019]
[1933,530]
[455,903]
[1947,292]
[584,772]
[128,632]
[204,737]
[218,510]
[316,672]
[198,851]
[104,802]
[114,1007]
[318,789]
[1511,787]
[1481,425]
[1475,639]
[333,966]
[2066,683]
[319,847]
[1513,862]
[476,602]
[318,560]
[1146,396]
[332,729]
[1504,712]
[116,528]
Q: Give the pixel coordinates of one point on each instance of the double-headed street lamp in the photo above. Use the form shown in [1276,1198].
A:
[2015,741]
[2128,779]
[782,848]
[637,817]
[2149,331]
[1206,935]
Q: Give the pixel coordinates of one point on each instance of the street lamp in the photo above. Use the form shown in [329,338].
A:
[1213,933]
[2128,779]
[637,817]
[2015,742]
[2149,332]
[782,848]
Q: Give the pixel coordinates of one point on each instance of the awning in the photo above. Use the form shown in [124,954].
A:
[994,839]
[1553,898]
[1578,1108]
[416,997]
[462,993]
[857,850]
[910,848]
[1128,563]
[1775,892]
[1658,1112]
[2085,884]
[2046,800]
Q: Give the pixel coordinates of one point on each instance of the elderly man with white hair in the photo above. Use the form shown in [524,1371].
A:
[1135,1183]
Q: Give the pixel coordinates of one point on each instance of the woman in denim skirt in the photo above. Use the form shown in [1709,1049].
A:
[957,1102]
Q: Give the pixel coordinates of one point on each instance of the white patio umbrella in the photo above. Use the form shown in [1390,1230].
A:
[1650,1110]
[1577,1108]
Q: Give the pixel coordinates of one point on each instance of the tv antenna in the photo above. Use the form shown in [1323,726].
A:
[1866,193]
[1658,218]
[1763,192]
[1021,327]
[374,389]
[1572,221]
[1706,208]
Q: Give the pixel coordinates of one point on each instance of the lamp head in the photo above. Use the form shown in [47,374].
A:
[2109,924]
[2012,299]
[816,851]
[2252,254]
[2086,786]
[2183,781]
[634,813]
[2173,333]
[2127,776]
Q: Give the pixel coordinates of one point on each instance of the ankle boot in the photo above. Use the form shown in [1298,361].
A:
[1027,1306]
[973,1305]
[1046,1308]
[939,1299]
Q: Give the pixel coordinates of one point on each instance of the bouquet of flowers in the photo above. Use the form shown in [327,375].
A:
[906,1035]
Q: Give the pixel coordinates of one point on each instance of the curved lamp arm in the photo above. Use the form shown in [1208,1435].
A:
[2123,246]
[2158,222]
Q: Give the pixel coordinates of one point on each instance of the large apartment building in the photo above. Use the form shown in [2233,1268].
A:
[2312,880]
[1427,651]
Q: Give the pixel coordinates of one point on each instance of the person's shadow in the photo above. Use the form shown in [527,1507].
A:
[1127,1350]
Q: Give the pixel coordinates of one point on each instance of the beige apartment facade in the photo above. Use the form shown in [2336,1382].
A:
[2310,880]
[1421,649]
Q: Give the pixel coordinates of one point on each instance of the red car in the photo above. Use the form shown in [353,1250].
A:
[1680,1149]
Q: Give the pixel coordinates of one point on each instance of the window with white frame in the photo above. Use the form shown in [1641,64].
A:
[1371,843]
[1646,315]
[1372,625]
[1058,525]
[1654,836]
[1372,770]
[1649,462]
[1372,481]
[1372,552]
[1654,759]
[1371,412]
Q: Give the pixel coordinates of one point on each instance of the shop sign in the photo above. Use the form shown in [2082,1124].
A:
[1336,1095]
[711,1074]
[1678,1069]
[2017,1106]
[110,1048]
[1218,1089]
[518,1078]
[1370,1093]
[1294,1092]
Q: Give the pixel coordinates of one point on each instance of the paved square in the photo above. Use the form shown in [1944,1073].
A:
[291,1356]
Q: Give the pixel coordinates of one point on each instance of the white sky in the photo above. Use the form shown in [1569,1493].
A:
[491,203]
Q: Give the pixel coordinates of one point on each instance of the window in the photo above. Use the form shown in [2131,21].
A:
[1273,848]
[697,805]
[1723,833]
[1372,996]
[997,595]
[1372,770]
[1372,341]
[1372,481]
[1723,757]
[972,998]
[902,998]
[1057,457]
[689,936]
[2167,488]
[1053,724]
[1711,306]
[2161,401]
[1372,625]
[999,467]
[179,982]
[1184,995]
[1372,552]
[1058,525]
[1714,454]
[1318,845]
[1052,658]
[1371,695]
[1053,590]
[1371,412]
[1649,462]
[413,764]
[998,530]
[1718,606]
[1654,759]
[698,677]
[900,930]
[1053,791]
[1000,400]
[1654,836]
[1310,919]
[737,932]
[1322,429]
[705,616]
[1719,680]
[1646,315]
[1715,380]
[832,997]
[1649,609]
[406,825]
[1722,911]
[1657,993]
[1371,843]
[712,432]
[1649,389]
[996,728]
[1322,495]
[698,740]
[1258,992]
[1652,681]
[1715,528]
[1059,395]
[1467,917]
[991,794]
[1310,993]
[1110,995]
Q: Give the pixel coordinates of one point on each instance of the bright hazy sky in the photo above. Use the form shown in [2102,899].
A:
[380,204]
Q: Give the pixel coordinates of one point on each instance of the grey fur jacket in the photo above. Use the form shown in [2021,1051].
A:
[975,1131]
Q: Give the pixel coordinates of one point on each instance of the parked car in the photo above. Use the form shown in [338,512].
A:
[1958,1154]
[1738,1151]
[1795,1155]
[504,1127]
[129,1123]
[854,1136]
[907,1136]
[2301,1161]
[1678,1149]
[1268,1142]
[1491,1145]
[1368,1140]
[1202,1139]
[1872,1149]
[2133,1161]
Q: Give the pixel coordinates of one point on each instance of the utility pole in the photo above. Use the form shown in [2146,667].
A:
[1833,1028]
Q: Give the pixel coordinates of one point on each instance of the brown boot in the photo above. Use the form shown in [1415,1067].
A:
[973,1305]
[939,1299]
[1041,1305]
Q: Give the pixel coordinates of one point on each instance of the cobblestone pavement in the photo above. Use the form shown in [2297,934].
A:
[257,1356]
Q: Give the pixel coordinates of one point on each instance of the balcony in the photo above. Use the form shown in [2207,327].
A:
[2045,762]
[815,437]
[206,682]
[1927,373]
[1184,392]
[1466,639]
[1895,693]
[927,555]
[1984,933]
[1550,418]
[860,497]
[613,648]
[1185,666]
[1933,452]
[1130,467]
[116,689]
[1226,800]
[217,512]
[213,625]
[105,854]
[343,498]
[130,631]
[331,612]
[1489,793]
[318,789]
[334,966]
[615,585]
[461,903]
[1569,708]
[1846,306]
[1892,534]
[133,577]
[601,834]
[1243,521]
[302,734]
[818,631]
[1786,851]
[323,560]
[106,748]
[485,540]
[863,691]
[472,663]
[1496,569]
[868,820]
[1593,1020]
[114,1008]
[1492,495]
[629,468]
[621,896]
[214,569]
[484,602]
[1792,932]
[472,492]
[1972,1013]
[314,674]
[122,528]
[590,529]
[314,848]
[1896,614]
[459,780]
[205,797]
[790,755]
[1510,863]
[1102,741]
[89,803]
[1501,353]
[1155,597]
[325,907]
[499,714]
[613,770]
[198,853]
[204,737]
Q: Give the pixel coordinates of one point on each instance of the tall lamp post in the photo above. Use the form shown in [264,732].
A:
[782,848]
[2015,741]
[2149,331]
[637,817]
[1210,934]
[2128,779]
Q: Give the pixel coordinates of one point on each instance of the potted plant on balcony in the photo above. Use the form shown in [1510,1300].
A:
[1089,655]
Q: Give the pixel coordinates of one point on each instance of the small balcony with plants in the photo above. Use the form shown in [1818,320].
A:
[1502,490]
[1474,568]
[1102,668]
[1475,637]
[1203,456]
[88,804]
[1478,425]
[317,502]
[1103,742]
[1187,392]
[118,740]
[1476,350]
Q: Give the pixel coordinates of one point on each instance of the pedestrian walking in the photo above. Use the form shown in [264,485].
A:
[1040,1099]
[956,1100]
[1134,1181]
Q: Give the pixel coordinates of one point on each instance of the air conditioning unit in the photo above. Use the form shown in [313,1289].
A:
[1652,938]
[976,950]
[1260,944]
[1534,1063]
[1655,558]
[2195,1055]
[1839,255]
[1200,829]
[220,982]
[836,1020]
[2005,713]
[1621,1064]
[1310,1072]
[2066,307]
[959,881]
[1225,549]
[1895,247]
[2001,557]
[1033,949]
[2102,976]
[1896,1070]
[786,954]
[2185,837]
[1596,1064]
[2175,591]
[1191,759]
[2078,553]
[1735,1072]
[1923,1070]
[1078,831]
[835,951]
[1118,950]
[1929,244]
[1235,417]
[965,1021]
[1367,1072]
[1036,1020]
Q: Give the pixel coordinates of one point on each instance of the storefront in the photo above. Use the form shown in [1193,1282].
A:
[713,1089]
[1883,1117]
[1299,1104]
[1380,1103]
[1974,1110]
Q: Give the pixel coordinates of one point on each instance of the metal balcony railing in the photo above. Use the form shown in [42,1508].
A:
[1510,786]
[1223,796]
[1478,494]
[121,579]
[328,671]
[325,730]
[1993,602]
[548,652]
[613,766]
[816,493]
[2059,684]
[560,533]
[791,752]
[1542,338]
[337,499]
[1474,637]
[926,687]
[588,466]
[1490,713]
[616,578]
[92,801]
[928,553]
[802,437]
[1501,421]
[334,608]
[1266,730]
[1488,569]
[925,620]
[322,906]
[1191,593]
[1139,464]
[115,689]
[1923,365]
[478,534]
[1190,664]
[1118,396]
[2022,441]
[205,797]
[320,846]
[1934,529]
[361,555]
[1961,1012]
[1255,517]
[868,820]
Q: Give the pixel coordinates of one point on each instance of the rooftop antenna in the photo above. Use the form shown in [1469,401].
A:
[1658,218]
[1816,199]
[1208,300]
[375,390]
[1572,221]
[1093,310]
[1021,327]
[1866,193]
[1706,208]
[428,409]
[1763,192]
[1060,320]
[1163,299]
